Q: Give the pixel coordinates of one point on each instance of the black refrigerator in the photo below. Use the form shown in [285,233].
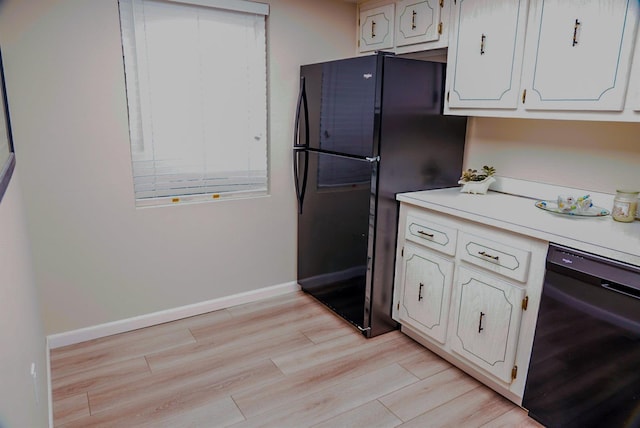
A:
[366,129]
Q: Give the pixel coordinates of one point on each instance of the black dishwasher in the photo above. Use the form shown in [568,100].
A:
[585,363]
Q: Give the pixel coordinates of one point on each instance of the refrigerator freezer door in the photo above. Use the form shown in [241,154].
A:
[333,232]
[343,96]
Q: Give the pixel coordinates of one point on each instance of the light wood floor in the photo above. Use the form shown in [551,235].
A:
[282,362]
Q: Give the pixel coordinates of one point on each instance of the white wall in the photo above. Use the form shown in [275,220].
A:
[97,258]
[598,156]
[21,333]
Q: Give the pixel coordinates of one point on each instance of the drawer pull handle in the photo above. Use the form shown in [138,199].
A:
[480,328]
[420,292]
[422,232]
[482,39]
[483,254]
[575,33]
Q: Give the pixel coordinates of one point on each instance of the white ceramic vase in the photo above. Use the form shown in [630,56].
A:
[476,187]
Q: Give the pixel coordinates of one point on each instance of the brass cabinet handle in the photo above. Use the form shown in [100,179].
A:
[480,328]
[484,254]
[373,29]
[420,292]
[482,39]
[422,232]
[413,20]
[575,32]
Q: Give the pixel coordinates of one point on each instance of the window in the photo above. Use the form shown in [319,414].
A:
[7,158]
[196,90]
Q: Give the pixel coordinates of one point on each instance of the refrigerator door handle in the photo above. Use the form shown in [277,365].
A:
[302,103]
[300,149]
[300,187]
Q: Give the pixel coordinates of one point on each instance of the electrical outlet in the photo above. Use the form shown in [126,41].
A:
[34,376]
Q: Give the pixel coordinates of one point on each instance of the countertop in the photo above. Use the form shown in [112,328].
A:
[598,235]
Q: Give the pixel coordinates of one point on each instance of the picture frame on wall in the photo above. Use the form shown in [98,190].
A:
[7,155]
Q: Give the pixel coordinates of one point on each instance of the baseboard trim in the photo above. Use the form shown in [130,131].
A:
[49,388]
[102,330]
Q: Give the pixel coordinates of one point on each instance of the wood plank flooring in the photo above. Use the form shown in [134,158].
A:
[281,362]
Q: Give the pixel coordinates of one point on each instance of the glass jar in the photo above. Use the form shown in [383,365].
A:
[625,205]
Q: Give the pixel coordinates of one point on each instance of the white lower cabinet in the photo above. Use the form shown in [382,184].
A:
[427,287]
[486,321]
[470,293]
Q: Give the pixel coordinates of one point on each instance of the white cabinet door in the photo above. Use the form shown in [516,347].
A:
[578,53]
[376,28]
[417,21]
[633,95]
[485,53]
[487,322]
[427,288]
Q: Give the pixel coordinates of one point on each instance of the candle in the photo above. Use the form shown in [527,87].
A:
[625,206]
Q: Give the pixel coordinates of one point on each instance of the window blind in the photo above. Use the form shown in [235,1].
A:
[196,91]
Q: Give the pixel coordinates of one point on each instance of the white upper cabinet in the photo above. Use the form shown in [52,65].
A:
[485,53]
[404,26]
[545,59]
[578,54]
[376,28]
[633,95]
[418,21]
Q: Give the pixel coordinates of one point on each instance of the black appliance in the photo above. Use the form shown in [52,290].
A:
[367,128]
[585,365]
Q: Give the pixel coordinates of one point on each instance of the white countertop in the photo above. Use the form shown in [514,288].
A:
[598,235]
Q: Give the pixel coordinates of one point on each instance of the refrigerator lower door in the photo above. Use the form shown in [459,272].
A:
[333,233]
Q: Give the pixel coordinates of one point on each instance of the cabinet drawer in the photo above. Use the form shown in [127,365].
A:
[495,256]
[431,235]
